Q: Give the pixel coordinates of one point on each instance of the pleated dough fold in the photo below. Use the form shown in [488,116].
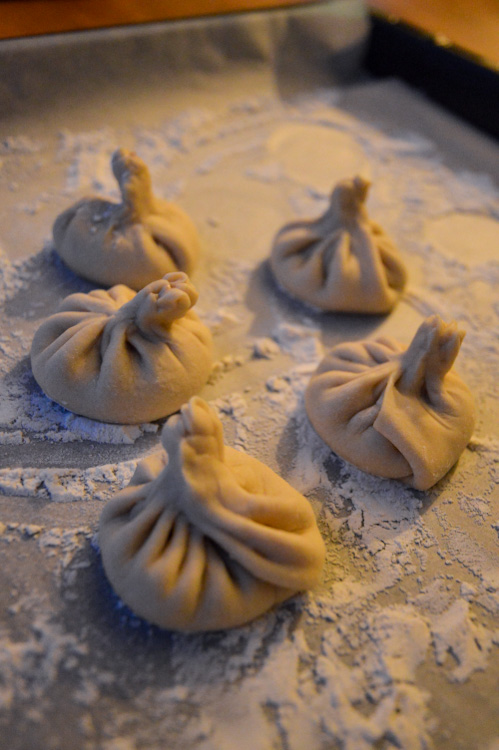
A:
[206,537]
[342,261]
[402,414]
[125,357]
[133,242]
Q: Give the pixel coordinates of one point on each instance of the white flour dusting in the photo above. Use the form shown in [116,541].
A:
[409,603]
[67,485]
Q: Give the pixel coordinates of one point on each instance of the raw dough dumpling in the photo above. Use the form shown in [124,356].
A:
[133,242]
[206,537]
[121,356]
[342,261]
[395,412]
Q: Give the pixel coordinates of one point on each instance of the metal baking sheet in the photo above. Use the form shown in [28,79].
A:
[247,122]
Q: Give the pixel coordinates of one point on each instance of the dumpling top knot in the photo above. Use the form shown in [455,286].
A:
[197,428]
[342,261]
[348,199]
[429,358]
[135,184]
[133,242]
[158,305]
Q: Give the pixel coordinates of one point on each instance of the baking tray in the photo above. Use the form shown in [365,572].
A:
[467,84]
[247,122]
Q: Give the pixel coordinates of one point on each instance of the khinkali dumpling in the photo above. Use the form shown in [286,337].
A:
[122,356]
[206,537]
[133,242]
[395,412]
[341,261]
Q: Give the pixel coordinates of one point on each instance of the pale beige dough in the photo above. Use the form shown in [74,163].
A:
[133,242]
[206,537]
[342,261]
[121,356]
[395,412]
